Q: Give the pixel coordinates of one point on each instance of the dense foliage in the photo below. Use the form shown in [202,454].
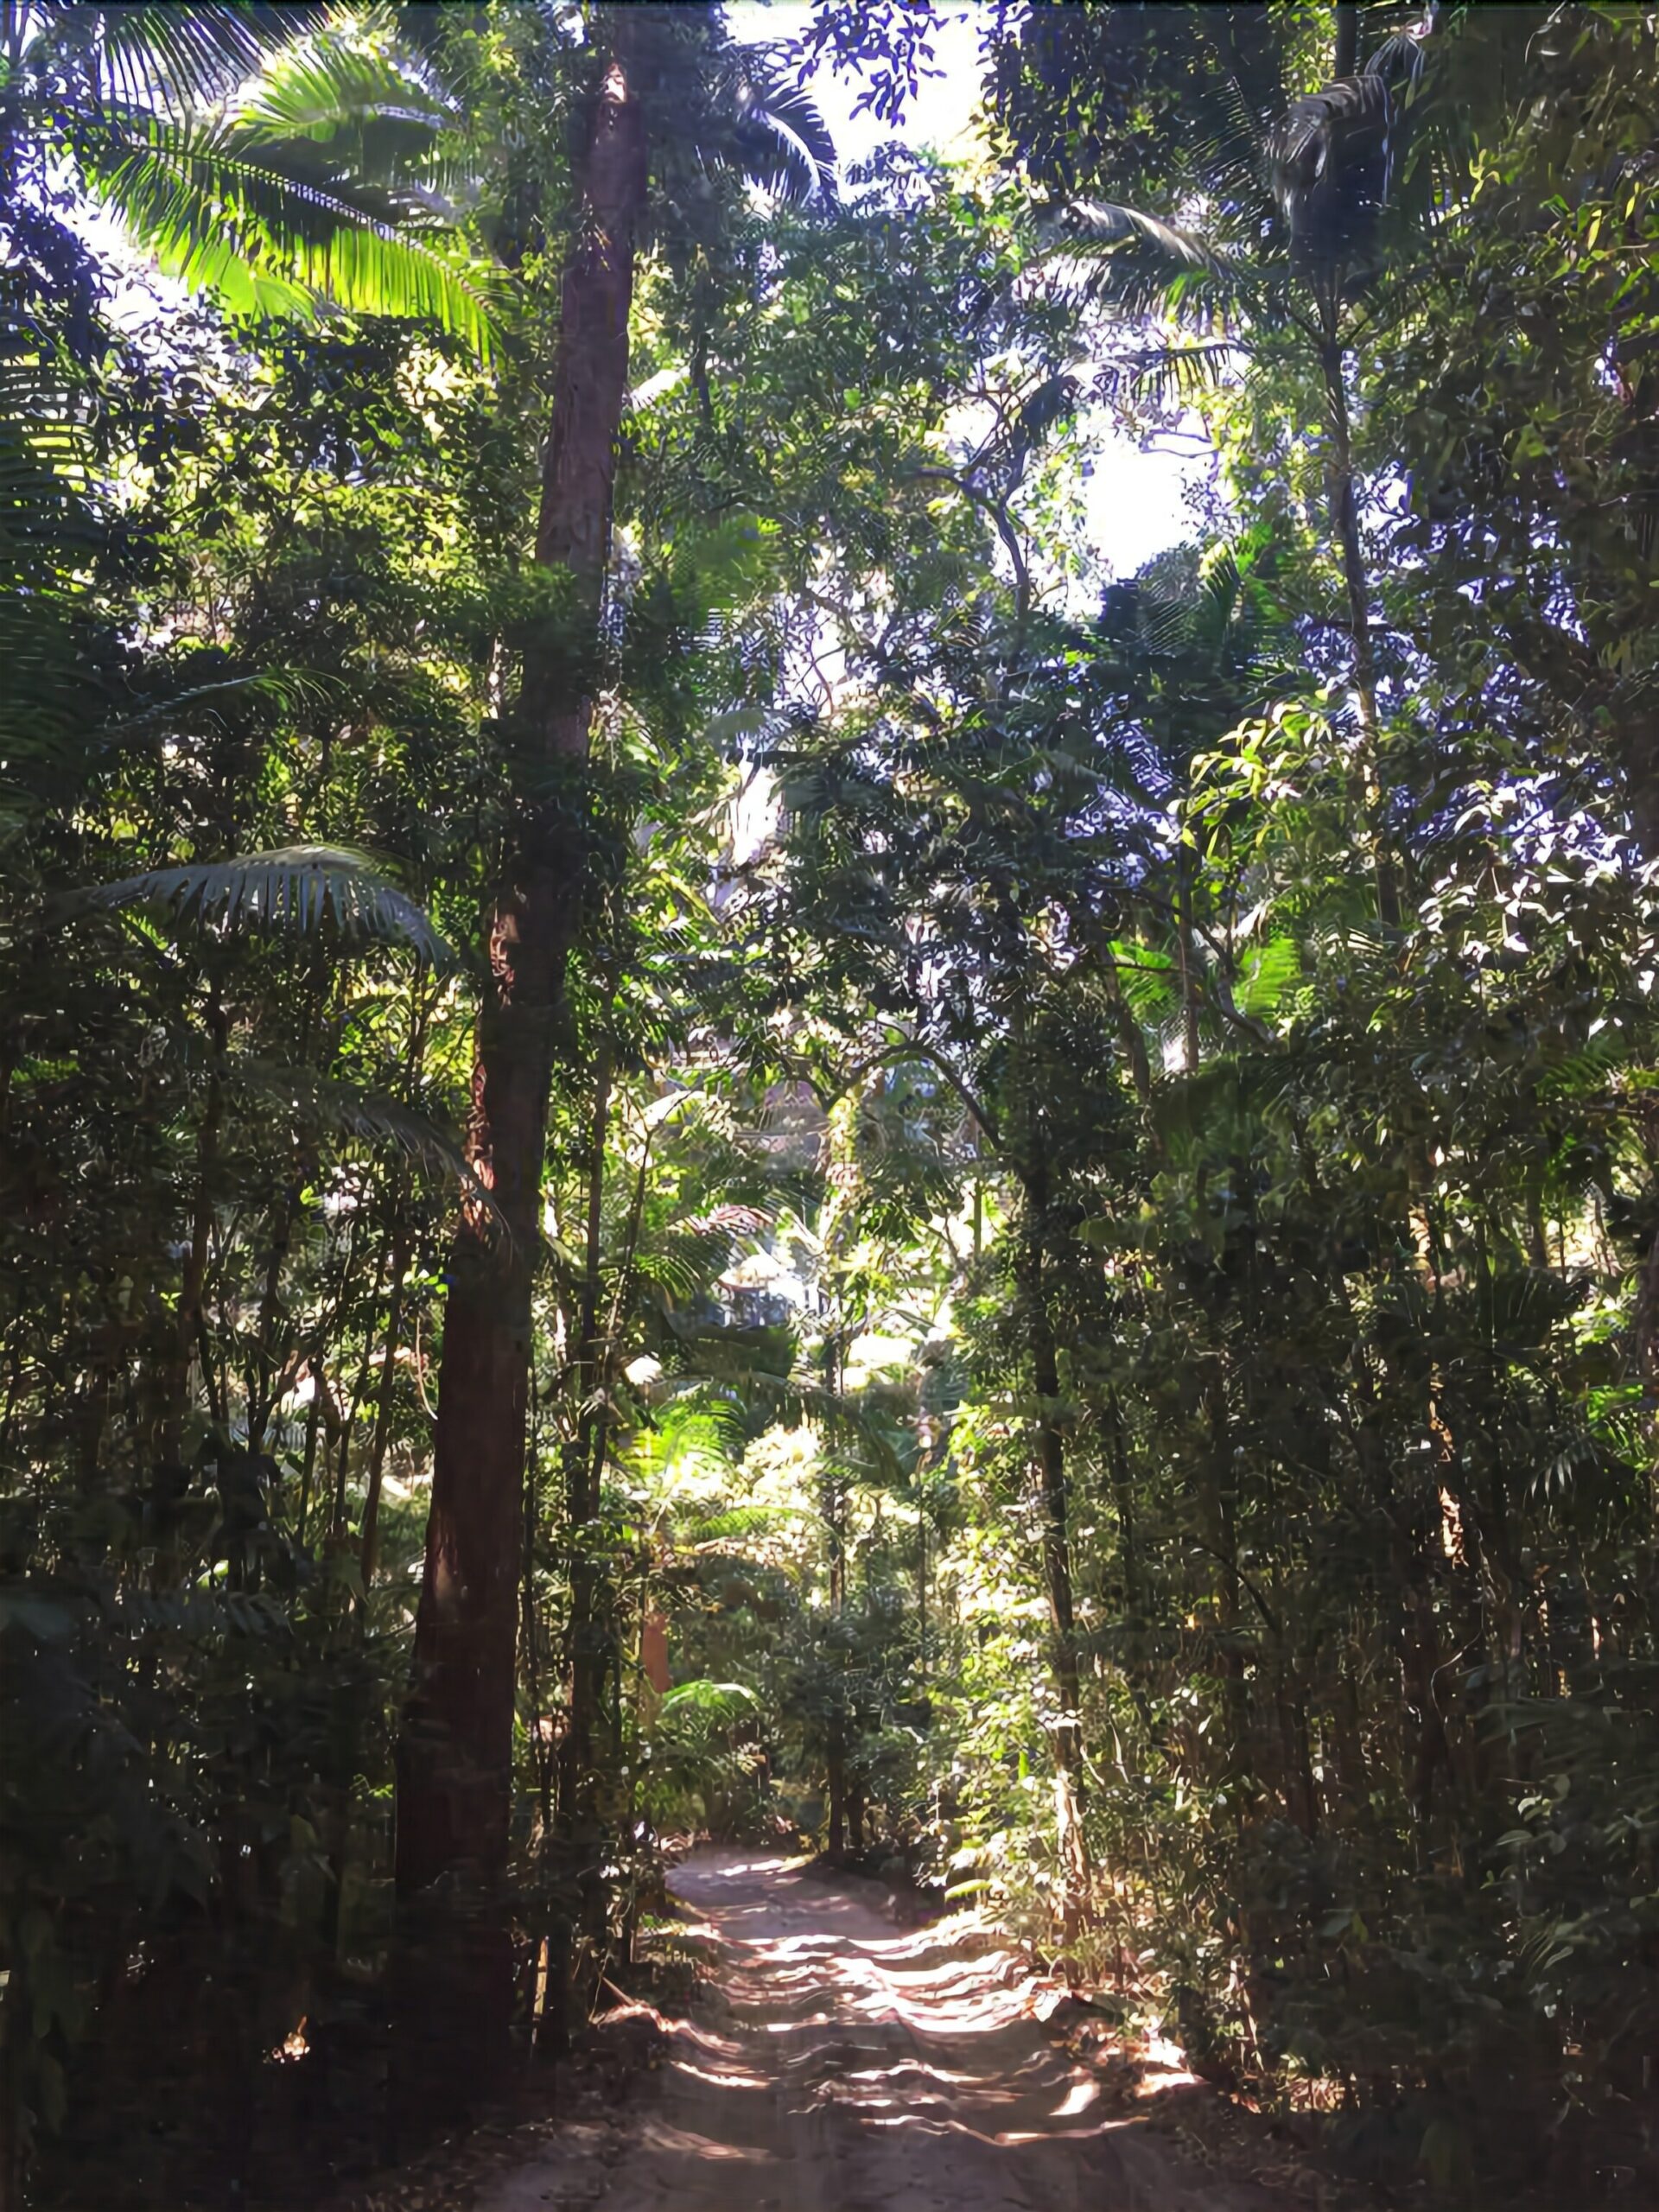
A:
[1033,1194]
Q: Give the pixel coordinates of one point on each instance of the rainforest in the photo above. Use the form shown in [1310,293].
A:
[829,1105]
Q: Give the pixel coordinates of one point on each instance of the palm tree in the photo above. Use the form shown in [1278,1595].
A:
[666,97]
[1283,204]
[272,155]
[278,156]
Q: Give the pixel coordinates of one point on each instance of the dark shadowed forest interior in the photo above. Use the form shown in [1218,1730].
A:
[708,1130]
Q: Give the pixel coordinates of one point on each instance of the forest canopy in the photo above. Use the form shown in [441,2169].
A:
[700,1134]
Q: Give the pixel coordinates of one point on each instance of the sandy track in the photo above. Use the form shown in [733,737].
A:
[845,2068]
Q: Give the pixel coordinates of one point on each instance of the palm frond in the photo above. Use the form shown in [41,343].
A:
[1135,262]
[188,57]
[303,887]
[723,1363]
[717,1701]
[320,89]
[1270,972]
[326,1103]
[738,1523]
[782,141]
[1331,164]
[288,690]
[1093,225]
[1169,374]
[216,210]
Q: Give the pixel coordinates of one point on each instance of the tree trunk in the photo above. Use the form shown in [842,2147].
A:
[1184,951]
[190,1318]
[1068,1732]
[589,1655]
[456,1753]
[402,1250]
[591,1650]
[1057,1569]
[401,1242]
[1344,502]
[833,1507]
[1129,1032]
[835,1778]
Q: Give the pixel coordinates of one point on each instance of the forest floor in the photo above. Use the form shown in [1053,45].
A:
[835,2064]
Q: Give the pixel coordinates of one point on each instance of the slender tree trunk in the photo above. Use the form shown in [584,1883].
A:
[1068,1734]
[1344,501]
[1184,864]
[455,1764]
[1221,1528]
[588,1654]
[1057,1568]
[833,1507]
[361,1386]
[1123,1499]
[921,1596]
[261,1380]
[836,1785]
[591,1650]
[1129,1032]
[455,1757]
[190,1320]
[401,1247]
[400,1256]
[313,1416]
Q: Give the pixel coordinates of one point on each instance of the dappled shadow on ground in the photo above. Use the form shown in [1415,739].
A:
[841,2066]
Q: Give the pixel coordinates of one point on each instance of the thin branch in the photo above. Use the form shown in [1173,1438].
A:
[1000,520]
[912,1048]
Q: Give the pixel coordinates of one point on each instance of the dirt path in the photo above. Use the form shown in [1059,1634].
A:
[844,2067]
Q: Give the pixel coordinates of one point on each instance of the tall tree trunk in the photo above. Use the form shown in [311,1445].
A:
[1129,1032]
[1123,1498]
[402,1249]
[833,1506]
[591,1650]
[455,1752]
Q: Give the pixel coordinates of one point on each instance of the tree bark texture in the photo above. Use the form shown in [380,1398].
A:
[455,1755]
